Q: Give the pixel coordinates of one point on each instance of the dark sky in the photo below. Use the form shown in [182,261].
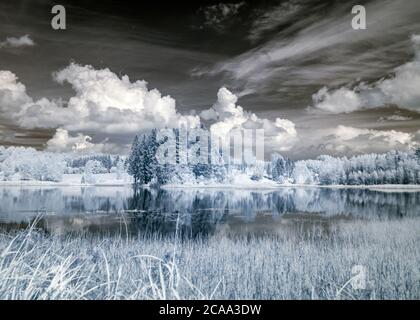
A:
[274,55]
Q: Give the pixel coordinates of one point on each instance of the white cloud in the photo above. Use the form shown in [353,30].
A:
[14,42]
[314,46]
[341,100]
[14,101]
[103,104]
[11,91]
[403,90]
[280,134]
[345,139]
[115,105]
[62,141]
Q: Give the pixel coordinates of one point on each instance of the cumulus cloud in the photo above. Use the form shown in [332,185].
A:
[15,103]
[13,42]
[345,139]
[402,89]
[103,104]
[62,141]
[109,106]
[280,134]
[341,100]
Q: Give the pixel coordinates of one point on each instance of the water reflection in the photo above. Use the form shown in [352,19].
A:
[194,212]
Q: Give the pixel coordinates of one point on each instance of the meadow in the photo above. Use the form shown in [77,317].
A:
[310,264]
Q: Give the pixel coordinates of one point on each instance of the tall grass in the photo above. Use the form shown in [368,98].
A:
[307,265]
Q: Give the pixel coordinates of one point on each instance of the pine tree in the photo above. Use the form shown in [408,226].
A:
[134,160]
[141,161]
[281,168]
[150,163]
[200,150]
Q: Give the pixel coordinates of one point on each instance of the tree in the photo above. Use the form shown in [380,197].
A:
[135,160]
[90,170]
[142,162]
[281,168]
[150,164]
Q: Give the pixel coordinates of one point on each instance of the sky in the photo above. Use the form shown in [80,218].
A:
[295,68]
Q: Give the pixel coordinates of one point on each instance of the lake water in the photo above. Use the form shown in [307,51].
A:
[195,212]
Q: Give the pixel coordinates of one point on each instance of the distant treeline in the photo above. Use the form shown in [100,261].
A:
[394,167]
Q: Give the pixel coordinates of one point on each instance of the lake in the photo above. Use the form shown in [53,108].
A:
[196,212]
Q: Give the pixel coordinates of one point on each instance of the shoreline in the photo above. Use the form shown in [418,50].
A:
[262,187]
